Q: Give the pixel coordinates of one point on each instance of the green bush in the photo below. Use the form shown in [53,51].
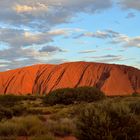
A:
[89,94]
[23,126]
[108,121]
[9,100]
[73,95]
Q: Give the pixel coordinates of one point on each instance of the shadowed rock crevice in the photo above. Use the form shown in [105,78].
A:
[82,75]
[7,85]
[102,79]
[59,79]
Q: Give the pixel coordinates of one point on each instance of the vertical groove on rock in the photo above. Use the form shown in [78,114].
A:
[58,80]
[38,75]
[47,79]
[7,84]
[78,83]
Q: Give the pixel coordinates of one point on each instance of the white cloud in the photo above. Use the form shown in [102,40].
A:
[41,16]
[19,57]
[21,50]
[44,14]
[114,38]
[108,58]
[64,31]
[127,41]
[87,51]
[20,38]
[25,8]
[51,49]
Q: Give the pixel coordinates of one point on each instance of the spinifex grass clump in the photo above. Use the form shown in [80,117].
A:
[10,106]
[73,95]
[10,100]
[108,121]
[22,126]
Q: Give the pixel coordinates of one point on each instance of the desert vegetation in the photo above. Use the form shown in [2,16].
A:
[109,121]
[73,95]
[65,112]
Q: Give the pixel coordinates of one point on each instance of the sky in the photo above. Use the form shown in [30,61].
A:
[58,31]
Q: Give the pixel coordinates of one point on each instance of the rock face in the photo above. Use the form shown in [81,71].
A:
[41,79]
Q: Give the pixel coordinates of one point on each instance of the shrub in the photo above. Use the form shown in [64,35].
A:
[9,100]
[73,95]
[22,126]
[135,107]
[62,127]
[108,121]
[30,97]
[18,110]
[35,111]
[9,112]
[89,94]
[5,113]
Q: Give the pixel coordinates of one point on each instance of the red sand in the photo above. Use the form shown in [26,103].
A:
[41,79]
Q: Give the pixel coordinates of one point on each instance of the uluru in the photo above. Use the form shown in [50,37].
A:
[40,79]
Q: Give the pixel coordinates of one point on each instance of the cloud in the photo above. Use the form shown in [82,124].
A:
[127,41]
[21,51]
[130,15]
[51,49]
[28,27]
[65,31]
[19,57]
[30,47]
[13,54]
[130,4]
[121,50]
[113,37]
[97,34]
[44,14]
[87,51]
[20,38]
[4,63]
[25,8]
[108,58]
